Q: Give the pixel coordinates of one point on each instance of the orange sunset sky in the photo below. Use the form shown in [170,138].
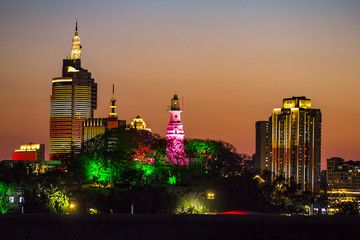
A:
[232,61]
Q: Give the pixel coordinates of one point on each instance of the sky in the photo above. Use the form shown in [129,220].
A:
[231,61]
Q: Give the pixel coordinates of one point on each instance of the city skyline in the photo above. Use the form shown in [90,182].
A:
[233,62]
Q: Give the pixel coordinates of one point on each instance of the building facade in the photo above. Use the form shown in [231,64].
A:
[263,146]
[73,100]
[32,167]
[343,182]
[175,135]
[30,152]
[296,143]
[341,174]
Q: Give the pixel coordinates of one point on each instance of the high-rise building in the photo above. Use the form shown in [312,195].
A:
[175,135]
[73,99]
[296,143]
[263,146]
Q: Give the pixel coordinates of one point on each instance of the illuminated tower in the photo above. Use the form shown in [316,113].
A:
[296,143]
[113,119]
[175,135]
[73,99]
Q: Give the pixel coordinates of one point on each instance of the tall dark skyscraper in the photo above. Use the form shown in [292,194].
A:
[263,146]
[296,143]
[73,99]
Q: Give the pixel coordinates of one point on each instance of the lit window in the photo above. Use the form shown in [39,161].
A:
[21,199]
[11,199]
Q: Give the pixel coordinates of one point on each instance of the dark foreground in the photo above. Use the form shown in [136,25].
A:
[41,226]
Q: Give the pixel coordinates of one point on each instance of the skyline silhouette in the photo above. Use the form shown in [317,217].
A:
[233,61]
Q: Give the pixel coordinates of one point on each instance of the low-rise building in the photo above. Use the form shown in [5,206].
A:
[30,152]
[341,174]
[32,167]
[343,181]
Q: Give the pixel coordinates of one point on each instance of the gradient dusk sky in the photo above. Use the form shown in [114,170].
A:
[232,61]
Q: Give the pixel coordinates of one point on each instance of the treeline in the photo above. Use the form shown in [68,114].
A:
[123,158]
[119,169]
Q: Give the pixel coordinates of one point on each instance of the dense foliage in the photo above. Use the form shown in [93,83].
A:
[287,196]
[5,189]
[348,208]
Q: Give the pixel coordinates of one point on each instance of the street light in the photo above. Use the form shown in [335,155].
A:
[210,195]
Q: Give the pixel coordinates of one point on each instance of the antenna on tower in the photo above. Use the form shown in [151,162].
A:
[182,103]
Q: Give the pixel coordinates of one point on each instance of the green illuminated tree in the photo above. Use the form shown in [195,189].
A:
[5,189]
[98,169]
[200,153]
[108,158]
[215,157]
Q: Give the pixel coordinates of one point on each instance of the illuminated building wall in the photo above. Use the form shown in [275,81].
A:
[92,128]
[339,195]
[175,135]
[263,146]
[296,143]
[73,99]
[343,181]
[30,152]
[342,174]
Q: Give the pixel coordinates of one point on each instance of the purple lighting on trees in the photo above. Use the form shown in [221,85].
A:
[175,135]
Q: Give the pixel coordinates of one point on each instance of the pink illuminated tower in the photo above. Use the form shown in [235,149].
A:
[175,135]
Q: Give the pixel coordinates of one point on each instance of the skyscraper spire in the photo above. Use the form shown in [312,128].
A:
[76,46]
[113,104]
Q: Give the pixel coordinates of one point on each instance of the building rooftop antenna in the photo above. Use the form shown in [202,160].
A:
[182,103]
